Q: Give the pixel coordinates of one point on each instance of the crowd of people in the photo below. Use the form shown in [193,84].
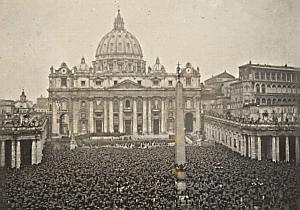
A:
[118,178]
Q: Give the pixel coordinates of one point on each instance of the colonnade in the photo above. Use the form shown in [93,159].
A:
[11,155]
[255,145]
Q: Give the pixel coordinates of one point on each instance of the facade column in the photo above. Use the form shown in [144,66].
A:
[274,149]
[134,129]
[121,130]
[33,152]
[277,149]
[2,156]
[144,116]
[149,117]
[75,117]
[258,147]
[162,116]
[55,126]
[13,154]
[287,149]
[297,152]
[18,154]
[105,124]
[111,117]
[91,118]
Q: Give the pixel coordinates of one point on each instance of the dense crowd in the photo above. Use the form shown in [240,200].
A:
[118,178]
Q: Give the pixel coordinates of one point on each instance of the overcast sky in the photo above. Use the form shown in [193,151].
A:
[212,34]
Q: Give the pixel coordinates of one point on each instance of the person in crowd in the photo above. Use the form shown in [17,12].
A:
[136,178]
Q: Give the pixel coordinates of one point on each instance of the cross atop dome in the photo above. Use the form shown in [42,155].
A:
[119,23]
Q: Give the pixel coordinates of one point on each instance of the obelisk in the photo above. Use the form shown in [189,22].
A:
[180,159]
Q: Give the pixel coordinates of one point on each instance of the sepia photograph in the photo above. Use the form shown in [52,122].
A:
[162,104]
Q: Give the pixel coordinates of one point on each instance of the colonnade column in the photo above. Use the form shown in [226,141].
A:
[274,149]
[162,116]
[253,147]
[105,123]
[33,152]
[149,117]
[121,130]
[18,154]
[2,152]
[38,152]
[277,149]
[249,146]
[91,118]
[13,154]
[297,149]
[111,117]
[258,147]
[134,130]
[287,149]
[144,116]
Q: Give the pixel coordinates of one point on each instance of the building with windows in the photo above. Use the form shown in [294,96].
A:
[118,94]
[261,116]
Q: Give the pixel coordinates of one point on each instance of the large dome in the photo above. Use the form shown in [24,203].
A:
[119,43]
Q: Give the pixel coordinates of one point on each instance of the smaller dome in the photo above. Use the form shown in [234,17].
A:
[158,67]
[83,66]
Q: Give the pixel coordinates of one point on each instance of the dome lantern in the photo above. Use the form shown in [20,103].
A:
[119,23]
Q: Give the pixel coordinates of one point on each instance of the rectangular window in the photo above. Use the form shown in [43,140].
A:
[98,82]
[83,115]
[82,83]
[268,75]
[115,82]
[170,82]
[288,77]
[155,83]
[262,75]
[63,82]
[188,81]
[139,82]
[283,76]
[273,75]
[256,75]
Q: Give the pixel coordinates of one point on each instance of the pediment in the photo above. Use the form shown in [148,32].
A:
[127,84]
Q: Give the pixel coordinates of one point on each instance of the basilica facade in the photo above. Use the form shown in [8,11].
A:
[118,94]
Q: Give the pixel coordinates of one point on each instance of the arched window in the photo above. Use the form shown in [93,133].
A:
[283,89]
[274,101]
[268,101]
[289,100]
[64,105]
[263,101]
[258,101]
[127,104]
[83,103]
[289,90]
[284,100]
[263,88]
[279,100]
[279,89]
[257,88]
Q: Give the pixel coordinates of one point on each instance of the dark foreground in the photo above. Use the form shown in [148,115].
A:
[115,178]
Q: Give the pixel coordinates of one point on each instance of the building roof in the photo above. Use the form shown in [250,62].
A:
[223,75]
[271,67]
